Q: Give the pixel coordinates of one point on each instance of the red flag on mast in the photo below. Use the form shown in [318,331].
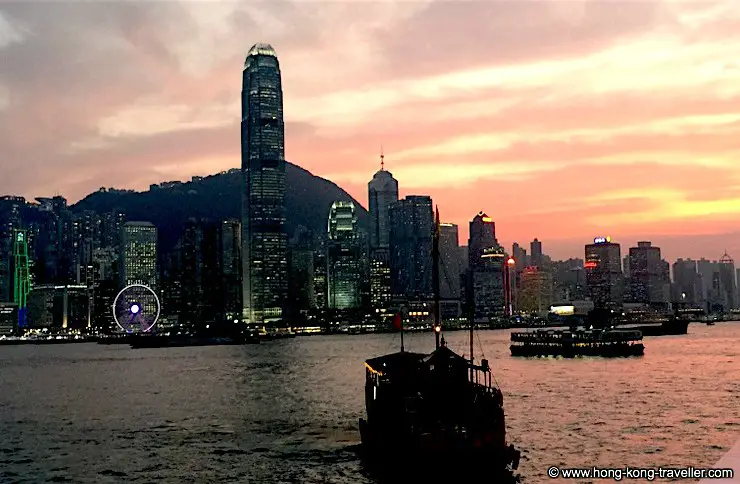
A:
[397,321]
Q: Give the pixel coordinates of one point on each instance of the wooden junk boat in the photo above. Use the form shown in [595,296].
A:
[435,417]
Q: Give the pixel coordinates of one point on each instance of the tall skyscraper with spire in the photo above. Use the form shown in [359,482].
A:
[382,191]
[264,239]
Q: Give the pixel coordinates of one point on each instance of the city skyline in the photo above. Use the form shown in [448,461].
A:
[523,121]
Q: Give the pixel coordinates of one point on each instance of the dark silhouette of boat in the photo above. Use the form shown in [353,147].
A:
[435,417]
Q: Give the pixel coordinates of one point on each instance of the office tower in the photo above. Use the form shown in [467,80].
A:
[646,274]
[449,261]
[21,276]
[569,280]
[482,237]
[380,281]
[710,288]
[8,318]
[535,292]
[604,273]
[204,275]
[110,231]
[382,191]
[301,296]
[535,248]
[230,263]
[60,307]
[487,286]
[728,283]
[10,220]
[626,266]
[687,283]
[105,281]
[344,257]
[320,277]
[520,257]
[486,260]
[411,240]
[264,239]
[138,257]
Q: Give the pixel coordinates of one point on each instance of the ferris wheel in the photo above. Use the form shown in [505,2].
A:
[136,308]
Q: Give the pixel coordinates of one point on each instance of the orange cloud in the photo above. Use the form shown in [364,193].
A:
[560,119]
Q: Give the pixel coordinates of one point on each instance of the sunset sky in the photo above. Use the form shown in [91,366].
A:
[562,119]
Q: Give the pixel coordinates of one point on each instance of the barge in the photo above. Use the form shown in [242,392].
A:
[577,342]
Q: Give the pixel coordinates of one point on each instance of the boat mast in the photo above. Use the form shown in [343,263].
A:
[435,278]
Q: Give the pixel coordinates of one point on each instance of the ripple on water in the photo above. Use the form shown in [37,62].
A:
[288,411]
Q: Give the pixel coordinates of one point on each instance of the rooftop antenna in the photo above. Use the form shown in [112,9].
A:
[382,159]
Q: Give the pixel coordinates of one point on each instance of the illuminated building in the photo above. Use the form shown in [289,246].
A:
[10,220]
[482,237]
[21,279]
[646,281]
[535,292]
[485,292]
[139,254]
[60,307]
[8,318]
[488,286]
[230,263]
[382,192]
[411,240]
[344,257]
[380,280]
[604,273]
[264,239]
[320,278]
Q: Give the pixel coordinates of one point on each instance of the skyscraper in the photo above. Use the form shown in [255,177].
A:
[482,237]
[139,254]
[264,239]
[344,257]
[485,281]
[382,191]
[411,239]
[449,261]
[728,283]
[687,283]
[604,273]
[645,273]
[535,248]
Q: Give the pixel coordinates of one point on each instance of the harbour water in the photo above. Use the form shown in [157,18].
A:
[286,411]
